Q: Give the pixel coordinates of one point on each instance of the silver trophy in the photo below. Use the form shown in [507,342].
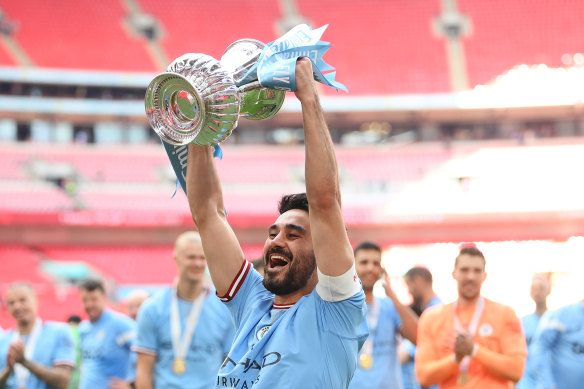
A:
[199,99]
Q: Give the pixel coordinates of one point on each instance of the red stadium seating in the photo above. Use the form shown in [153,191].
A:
[390,165]
[6,59]
[115,164]
[381,47]
[77,34]
[37,197]
[19,264]
[125,265]
[147,265]
[210,26]
[510,33]
[120,198]
[12,164]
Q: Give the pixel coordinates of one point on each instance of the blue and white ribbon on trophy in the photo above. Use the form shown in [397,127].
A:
[276,66]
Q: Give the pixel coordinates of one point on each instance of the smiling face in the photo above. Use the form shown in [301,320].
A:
[469,273]
[22,305]
[368,266]
[289,262]
[190,258]
[94,303]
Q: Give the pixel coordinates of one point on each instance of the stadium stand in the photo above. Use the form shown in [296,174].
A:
[379,61]
[19,263]
[200,28]
[125,265]
[393,190]
[33,197]
[79,34]
[381,58]
[509,33]
[6,59]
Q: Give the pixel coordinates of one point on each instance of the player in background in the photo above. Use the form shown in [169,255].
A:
[184,331]
[37,354]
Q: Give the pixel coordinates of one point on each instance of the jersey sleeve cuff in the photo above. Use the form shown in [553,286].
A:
[64,362]
[237,282]
[338,288]
[143,350]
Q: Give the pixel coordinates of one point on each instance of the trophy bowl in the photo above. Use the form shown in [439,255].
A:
[199,99]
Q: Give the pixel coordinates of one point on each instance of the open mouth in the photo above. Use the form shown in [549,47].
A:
[277,261]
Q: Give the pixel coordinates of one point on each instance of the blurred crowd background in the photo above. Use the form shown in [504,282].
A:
[463,123]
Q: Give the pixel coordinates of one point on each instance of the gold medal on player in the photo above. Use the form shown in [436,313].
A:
[365,361]
[462,378]
[179,366]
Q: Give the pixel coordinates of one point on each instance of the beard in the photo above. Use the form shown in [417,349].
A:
[299,271]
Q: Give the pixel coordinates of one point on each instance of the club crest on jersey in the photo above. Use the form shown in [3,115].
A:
[486,330]
[262,332]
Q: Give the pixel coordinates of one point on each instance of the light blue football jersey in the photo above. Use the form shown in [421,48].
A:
[558,348]
[386,369]
[105,349]
[54,347]
[210,343]
[529,324]
[311,344]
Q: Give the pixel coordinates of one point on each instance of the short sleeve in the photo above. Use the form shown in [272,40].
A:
[146,338]
[126,333]
[65,346]
[248,291]
[344,318]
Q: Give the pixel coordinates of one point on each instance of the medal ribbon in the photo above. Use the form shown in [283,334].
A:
[20,371]
[472,328]
[372,320]
[181,344]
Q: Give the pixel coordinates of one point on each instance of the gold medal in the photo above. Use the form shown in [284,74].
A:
[365,361]
[179,366]
[462,378]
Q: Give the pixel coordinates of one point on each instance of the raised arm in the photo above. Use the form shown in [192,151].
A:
[409,326]
[223,252]
[332,249]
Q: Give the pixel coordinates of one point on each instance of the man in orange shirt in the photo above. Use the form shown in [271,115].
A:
[472,342]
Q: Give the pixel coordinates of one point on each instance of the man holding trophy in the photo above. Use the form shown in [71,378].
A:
[308,314]
[303,323]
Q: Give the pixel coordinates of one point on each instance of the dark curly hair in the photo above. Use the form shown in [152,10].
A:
[293,201]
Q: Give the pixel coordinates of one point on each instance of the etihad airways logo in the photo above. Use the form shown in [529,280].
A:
[269,359]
